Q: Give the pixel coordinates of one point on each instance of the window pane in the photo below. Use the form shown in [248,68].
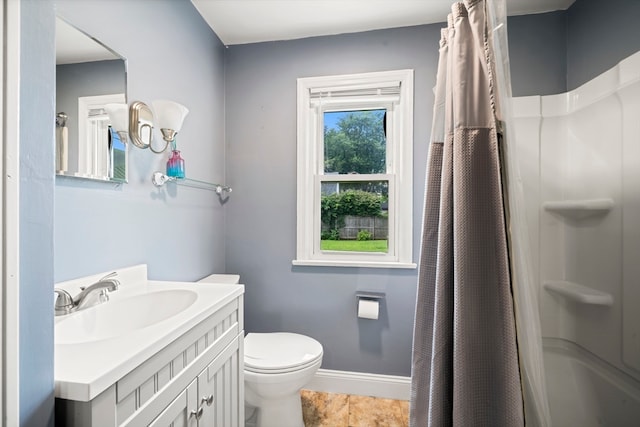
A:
[355,141]
[354,216]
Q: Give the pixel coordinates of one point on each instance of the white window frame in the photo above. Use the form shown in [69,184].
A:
[356,92]
[93,134]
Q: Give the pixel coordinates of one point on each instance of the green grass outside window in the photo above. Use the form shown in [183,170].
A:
[354,245]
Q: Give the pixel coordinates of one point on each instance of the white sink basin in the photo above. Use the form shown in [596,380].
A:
[121,316]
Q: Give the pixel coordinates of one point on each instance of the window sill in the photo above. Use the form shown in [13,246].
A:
[367,264]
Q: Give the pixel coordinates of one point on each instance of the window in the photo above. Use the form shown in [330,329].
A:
[96,153]
[355,170]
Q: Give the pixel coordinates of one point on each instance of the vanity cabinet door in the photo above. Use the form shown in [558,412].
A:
[181,412]
[220,389]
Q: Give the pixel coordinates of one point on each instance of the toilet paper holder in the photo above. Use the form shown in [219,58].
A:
[368,304]
[370,295]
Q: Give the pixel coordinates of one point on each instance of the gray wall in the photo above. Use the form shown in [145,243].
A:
[559,51]
[261,165]
[97,226]
[538,53]
[85,79]
[261,150]
[599,35]
[181,233]
[37,85]
[178,231]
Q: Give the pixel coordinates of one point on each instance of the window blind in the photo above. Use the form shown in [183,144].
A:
[380,92]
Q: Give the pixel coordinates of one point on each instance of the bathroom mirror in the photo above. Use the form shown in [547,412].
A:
[89,75]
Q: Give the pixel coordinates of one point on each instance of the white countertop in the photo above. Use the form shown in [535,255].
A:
[84,370]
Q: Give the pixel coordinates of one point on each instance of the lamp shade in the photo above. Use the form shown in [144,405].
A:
[119,116]
[169,114]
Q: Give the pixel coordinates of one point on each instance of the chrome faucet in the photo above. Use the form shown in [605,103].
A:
[89,296]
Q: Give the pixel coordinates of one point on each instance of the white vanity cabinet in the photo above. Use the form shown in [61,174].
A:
[213,399]
[196,380]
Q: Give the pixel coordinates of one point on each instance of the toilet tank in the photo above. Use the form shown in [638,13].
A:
[227,279]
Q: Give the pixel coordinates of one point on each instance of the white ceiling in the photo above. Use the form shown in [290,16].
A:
[251,21]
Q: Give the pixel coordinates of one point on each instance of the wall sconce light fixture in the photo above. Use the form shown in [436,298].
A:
[119,117]
[140,120]
[140,124]
[169,117]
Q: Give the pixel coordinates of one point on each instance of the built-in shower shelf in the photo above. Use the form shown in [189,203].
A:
[578,293]
[579,209]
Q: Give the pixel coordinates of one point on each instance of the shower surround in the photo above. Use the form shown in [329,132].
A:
[579,155]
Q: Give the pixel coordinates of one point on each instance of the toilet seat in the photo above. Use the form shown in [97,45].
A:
[279,352]
[249,369]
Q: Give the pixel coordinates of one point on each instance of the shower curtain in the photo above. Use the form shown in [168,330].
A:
[466,368]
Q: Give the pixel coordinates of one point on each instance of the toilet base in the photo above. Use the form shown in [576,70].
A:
[281,412]
[250,415]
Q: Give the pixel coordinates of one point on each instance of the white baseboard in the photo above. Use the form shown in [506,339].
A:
[361,384]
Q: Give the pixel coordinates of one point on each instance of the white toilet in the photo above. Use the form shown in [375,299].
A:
[276,366]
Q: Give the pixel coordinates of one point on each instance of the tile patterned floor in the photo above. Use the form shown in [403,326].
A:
[321,409]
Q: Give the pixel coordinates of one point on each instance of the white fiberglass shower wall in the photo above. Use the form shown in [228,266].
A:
[580,165]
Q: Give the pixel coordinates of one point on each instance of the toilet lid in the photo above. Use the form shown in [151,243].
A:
[279,350]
